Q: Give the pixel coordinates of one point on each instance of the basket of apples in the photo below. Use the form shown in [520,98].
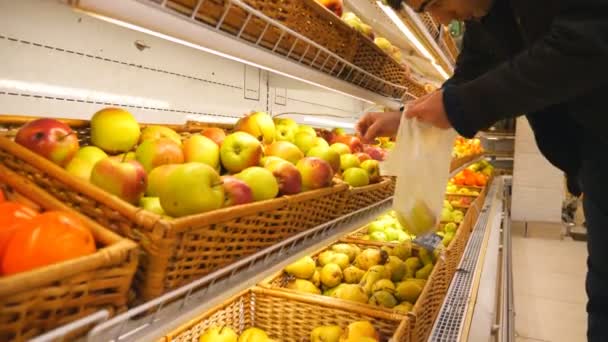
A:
[265,315]
[394,278]
[194,200]
[56,266]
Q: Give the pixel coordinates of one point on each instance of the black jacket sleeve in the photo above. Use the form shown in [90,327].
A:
[568,61]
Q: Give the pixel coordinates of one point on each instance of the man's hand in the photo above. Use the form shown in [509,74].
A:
[373,125]
[430,110]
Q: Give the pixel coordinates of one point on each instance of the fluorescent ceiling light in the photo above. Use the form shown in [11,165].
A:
[211,51]
[329,123]
[44,89]
[412,37]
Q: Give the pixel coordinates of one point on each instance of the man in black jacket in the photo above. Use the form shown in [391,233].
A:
[545,58]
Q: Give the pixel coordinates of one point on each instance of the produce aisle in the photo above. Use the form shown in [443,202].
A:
[198,165]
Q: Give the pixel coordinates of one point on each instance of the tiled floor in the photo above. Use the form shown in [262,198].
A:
[549,286]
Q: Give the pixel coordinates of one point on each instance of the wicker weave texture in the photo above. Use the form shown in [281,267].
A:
[364,196]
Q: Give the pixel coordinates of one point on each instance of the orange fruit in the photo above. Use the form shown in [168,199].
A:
[11,215]
[46,239]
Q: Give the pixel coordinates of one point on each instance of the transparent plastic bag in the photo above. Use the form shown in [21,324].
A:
[421,162]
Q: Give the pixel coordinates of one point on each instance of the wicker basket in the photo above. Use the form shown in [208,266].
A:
[288,317]
[425,310]
[364,196]
[42,299]
[177,251]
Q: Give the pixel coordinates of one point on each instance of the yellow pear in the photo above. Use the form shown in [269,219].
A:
[329,333]
[253,335]
[303,268]
[304,286]
[356,331]
[219,334]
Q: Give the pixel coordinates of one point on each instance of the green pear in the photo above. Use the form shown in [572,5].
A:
[353,275]
[331,275]
[351,250]
[396,267]
[424,272]
[408,291]
[374,274]
[219,334]
[404,307]
[324,257]
[370,257]
[447,238]
[303,268]
[412,264]
[403,250]
[352,292]
[330,292]
[383,298]
[304,286]
[450,227]
[331,257]
[316,277]
[329,333]
[253,335]
[384,285]
[425,256]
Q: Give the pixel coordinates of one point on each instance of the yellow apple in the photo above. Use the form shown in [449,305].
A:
[259,125]
[199,148]
[114,130]
[262,182]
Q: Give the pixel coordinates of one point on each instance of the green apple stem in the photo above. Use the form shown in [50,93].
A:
[67,135]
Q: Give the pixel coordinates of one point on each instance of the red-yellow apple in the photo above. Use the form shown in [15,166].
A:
[377,153]
[356,176]
[285,150]
[287,175]
[114,130]
[158,178]
[316,173]
[373,170]
[259,125]
[327,154]
[349,160]
[191,188]
[240,151]
[84,160]
[125,156]
[320,142]
[202,149]
[236,191]
[50,138]
[335,6]
[261,181]
[340,148]
[216,134]
[157,132]
[363,156]
[126,180]
[153,153]
[286,129]
[353,143]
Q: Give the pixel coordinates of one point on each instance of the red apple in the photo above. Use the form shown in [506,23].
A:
[353,143]
[285,150]
[287,175]
[377,153]
[153,153]
[328,154]
[236,191]
[126,180]
[363,156]
[216,134]
[49,138]
[240,151]
[259,125]
[316,173]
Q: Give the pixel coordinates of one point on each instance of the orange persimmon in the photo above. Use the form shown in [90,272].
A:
[11,215]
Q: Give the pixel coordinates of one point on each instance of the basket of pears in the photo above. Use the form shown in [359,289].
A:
[265,315]
[402,279]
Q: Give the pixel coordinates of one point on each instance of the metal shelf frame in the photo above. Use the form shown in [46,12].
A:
[155,17]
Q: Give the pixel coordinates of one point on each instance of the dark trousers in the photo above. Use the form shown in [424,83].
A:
[597,273]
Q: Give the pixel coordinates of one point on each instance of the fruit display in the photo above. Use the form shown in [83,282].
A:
[386,46]
[389,277]
[335,6]
[158,170]
[360,331]
[387,228]
[476,174]
[466,147]
[356,23]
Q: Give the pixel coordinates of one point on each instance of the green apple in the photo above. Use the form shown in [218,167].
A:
[356,177]
[91,154]
[378,236]
[348,161]
[152,204]
[219,334]
[376,226]
[157,132]
[450,227]
[259,125]
[262,182]
[253,335]
[286,122]
[446,215]
[191,188]
[83,162]
[200,149]
[114,130]
[373,170]
[320,142]
[240,151]
[285,150]
[341,148]
[305,141]
[152,153]
[392,234]
[307,129]
[327,154]
[157,178]
[125,179]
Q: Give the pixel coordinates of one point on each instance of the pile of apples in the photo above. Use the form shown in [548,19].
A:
[387,228]
[387,277]
[476,174]
[352,20]
[361,331]
[29,240]
[466,147]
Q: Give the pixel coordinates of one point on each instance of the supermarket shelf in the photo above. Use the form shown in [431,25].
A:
[496,136]
[455,171]
[155,17]
[468,311]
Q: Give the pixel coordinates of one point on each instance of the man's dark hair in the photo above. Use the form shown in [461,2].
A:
[396,4]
